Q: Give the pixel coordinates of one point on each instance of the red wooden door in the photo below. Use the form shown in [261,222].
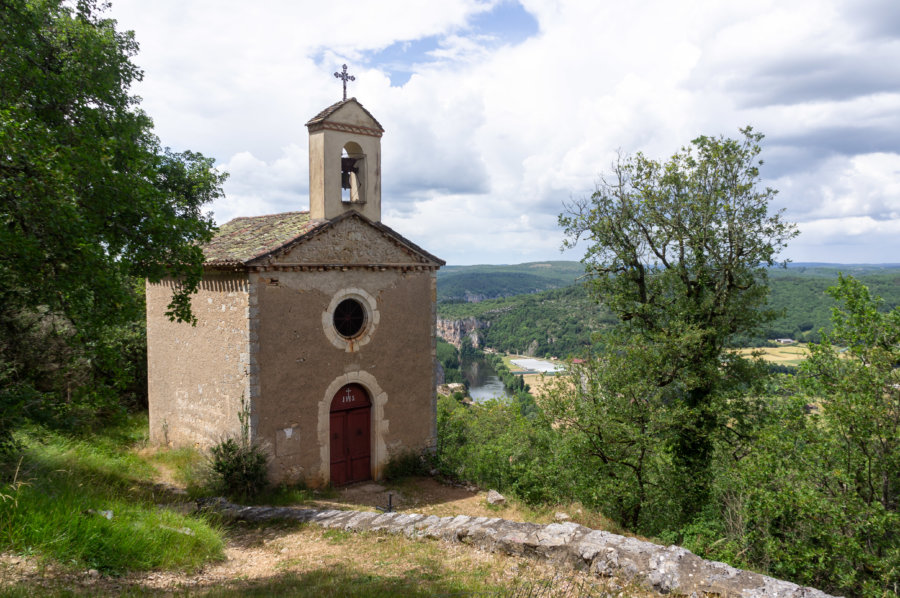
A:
[351,412]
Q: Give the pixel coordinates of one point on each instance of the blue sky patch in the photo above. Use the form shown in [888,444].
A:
[400,58]
[507,24]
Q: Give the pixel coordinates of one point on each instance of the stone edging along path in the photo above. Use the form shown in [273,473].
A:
[667,569]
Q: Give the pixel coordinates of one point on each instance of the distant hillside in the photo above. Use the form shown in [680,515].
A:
[476,283]
[560,321]
[832,270]
[800,294]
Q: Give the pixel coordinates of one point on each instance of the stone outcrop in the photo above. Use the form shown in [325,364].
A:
[495,498]
[667,569]
[447,390]
[454,331]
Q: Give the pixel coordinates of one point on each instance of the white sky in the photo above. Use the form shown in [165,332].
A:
[497,112]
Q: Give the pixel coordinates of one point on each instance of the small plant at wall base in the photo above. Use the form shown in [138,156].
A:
[406,464]
[238,465]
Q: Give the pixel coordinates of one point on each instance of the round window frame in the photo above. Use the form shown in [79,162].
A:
[357,327]
[364,335]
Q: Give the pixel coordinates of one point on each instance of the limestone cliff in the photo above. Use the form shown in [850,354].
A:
[454,331]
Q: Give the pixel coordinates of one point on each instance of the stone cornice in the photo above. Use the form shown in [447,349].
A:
[342,267]
[346,128]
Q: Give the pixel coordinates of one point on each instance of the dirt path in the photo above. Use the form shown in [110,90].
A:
[274,559]
[421,495]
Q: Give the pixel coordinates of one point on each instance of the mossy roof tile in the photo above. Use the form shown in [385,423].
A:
[242,240]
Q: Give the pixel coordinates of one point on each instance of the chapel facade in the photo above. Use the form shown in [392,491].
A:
[315,330]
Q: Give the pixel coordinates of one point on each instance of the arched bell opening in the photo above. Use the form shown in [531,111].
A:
[349,430]
[353,173]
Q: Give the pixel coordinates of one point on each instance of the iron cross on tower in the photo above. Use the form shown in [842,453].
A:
[343,76]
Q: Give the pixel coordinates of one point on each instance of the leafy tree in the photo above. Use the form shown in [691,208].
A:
[616,434]
[89,201]
[679,251]
[854,373]
[494,444]
[816,498]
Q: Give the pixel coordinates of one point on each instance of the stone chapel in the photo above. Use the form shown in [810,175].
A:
[317,328]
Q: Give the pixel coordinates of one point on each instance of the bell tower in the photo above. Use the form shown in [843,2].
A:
[344,162]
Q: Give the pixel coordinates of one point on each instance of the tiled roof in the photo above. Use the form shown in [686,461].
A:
[324,114]
[244,239]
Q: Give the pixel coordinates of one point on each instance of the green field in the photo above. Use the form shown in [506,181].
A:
[787,355]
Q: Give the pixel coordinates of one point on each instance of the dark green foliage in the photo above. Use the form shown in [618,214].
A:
[239,468]
[495,445]
[803,480]
[90,206]
[448,357]
[778,368]
[854,371]
[792,508]
[812,494]
[407,464]
[800,296]
[467,352]
[90,198]
[679,251]
[617,423]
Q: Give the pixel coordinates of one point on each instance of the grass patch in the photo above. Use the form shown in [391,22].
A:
[336,535]
[370,564]
[185,466]
[90,502]
[190,468]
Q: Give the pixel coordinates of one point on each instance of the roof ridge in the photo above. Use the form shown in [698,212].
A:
[268,215]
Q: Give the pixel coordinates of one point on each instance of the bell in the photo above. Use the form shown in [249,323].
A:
[348,165]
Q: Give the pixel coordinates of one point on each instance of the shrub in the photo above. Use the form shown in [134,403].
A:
[406,464]
[239,468]
[493,444]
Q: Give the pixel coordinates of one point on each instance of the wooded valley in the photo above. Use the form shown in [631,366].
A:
[560,321]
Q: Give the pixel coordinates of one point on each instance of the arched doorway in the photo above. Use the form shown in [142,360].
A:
[351,412]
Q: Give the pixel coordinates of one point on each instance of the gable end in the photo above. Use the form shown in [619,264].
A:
[349,241]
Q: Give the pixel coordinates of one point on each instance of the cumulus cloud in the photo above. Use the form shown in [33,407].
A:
[862,186]
[498,111]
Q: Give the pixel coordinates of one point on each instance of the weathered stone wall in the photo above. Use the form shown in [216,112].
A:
[351,241]
[268,336]
[667,569]
[197,375]
[303,363]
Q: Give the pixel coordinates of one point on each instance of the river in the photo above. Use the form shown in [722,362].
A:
[484,384]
